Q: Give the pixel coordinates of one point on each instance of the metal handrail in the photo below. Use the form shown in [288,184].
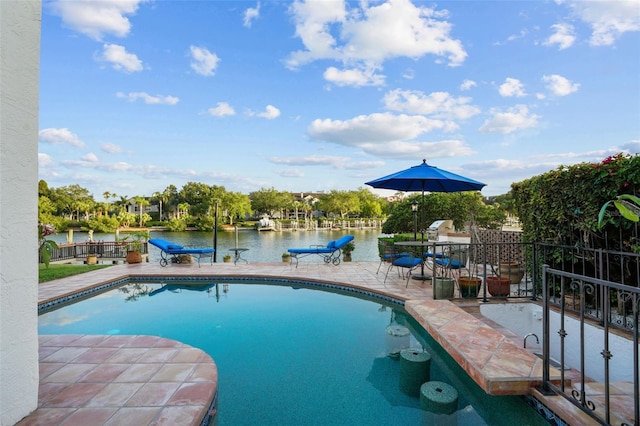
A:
[106,249]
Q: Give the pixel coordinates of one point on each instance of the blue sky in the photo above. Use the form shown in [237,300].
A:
[309,96]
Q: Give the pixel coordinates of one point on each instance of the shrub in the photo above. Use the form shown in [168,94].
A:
[176,225]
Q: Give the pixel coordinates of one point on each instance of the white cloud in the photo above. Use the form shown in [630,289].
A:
[90,157]
[409,74]
[60,137]
[632,147]
[467,85]
[44,160]
[353,77]
[222,109]
[374,128]
[523,33]
[512,87]
[148,99]
[516,118]
[96,18]
[342,163]
[609,20]
[438,104]
[563,36]
[270,113]
[290,173]
[405,150]
[118,167]
[111,148]
[370,34]
[251,14]
[203,62]
[120,59]
[312,160]
[559,85]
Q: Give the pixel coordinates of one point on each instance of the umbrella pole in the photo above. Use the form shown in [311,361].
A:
[422,276]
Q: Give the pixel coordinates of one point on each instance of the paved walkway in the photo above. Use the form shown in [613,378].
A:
[496,362]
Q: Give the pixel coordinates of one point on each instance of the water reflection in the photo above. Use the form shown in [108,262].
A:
[134,291]
[177,288]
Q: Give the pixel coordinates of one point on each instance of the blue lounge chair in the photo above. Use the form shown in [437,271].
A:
[173,251]
[330,253]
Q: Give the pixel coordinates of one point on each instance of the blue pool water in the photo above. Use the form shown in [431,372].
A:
[289,356]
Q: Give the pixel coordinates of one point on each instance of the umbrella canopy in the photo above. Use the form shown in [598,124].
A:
[426,178]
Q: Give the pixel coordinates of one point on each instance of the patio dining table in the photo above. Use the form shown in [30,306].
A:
[422,245]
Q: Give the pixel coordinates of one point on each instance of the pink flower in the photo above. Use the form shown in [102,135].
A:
[47,229]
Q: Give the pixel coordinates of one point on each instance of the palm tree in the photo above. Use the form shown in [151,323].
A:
[169,197]
[183,209]
[162,198]
[141,202]
[107,195]
[124,200]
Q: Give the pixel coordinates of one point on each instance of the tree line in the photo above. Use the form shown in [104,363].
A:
[194,206]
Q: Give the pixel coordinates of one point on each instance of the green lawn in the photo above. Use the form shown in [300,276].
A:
[53,272]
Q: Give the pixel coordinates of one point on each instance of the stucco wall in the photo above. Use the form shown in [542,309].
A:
[19,74]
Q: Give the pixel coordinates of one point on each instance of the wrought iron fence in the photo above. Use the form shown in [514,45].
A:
[620,267]
[101,249]
[576,339]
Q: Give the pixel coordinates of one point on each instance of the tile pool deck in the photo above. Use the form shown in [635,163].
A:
[158,381]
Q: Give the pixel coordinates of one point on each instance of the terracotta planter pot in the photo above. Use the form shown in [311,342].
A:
[92,259]
[498,286]
[134,257]
[512,270]
[469,286]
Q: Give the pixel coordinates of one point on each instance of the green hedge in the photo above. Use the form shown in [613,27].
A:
[562,206]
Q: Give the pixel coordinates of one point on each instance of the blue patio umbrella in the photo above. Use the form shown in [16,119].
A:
[424,177]
[428,178]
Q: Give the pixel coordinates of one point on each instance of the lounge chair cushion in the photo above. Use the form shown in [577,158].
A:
[311,250]
[407,262]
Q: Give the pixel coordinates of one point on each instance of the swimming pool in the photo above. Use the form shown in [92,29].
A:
[288,355]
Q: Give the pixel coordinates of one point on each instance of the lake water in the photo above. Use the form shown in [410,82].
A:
[265,246]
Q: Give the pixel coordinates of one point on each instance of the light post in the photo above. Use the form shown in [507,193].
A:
[414,209]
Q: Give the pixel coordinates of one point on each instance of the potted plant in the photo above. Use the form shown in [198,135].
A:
[286,257]
[512,270]
[443,287]
[498,286]
[92,259]
[347,250]
[469,286]
[45,245]
[226,258]
[134,245]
